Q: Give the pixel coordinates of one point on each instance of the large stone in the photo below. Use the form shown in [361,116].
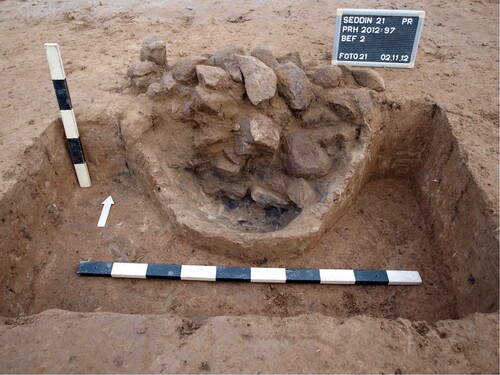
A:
[141,69]
[260,80]
[304,157]
[328,76]
[293,57]
[352,105]
[369,78]
[265,55]
[266,197]
[184,70]
[213,77]
[225,58]
[153,49]
[207,101]
[294,86]
[259,132]
[301,192]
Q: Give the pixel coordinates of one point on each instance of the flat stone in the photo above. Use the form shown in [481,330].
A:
[213,77]
[293,57]
[225,167]
[260,80]
[265,55]
[141,69]
[154,49]
[206,101]
[184,70]
[369,78]
[266,197]
[294,86]
[304,157]
[328,76]
[301,192]
[225,58]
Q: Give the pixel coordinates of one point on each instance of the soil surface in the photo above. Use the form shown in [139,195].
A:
[161,326]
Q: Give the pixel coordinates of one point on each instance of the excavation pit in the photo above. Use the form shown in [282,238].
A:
[410,204]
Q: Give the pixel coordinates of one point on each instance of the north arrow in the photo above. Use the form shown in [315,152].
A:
[105,212]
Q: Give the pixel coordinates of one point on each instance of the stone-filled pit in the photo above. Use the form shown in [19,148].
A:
[252,159]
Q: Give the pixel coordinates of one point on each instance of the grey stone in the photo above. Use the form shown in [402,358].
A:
[294,86]
[265,55]
[260,80]
[225,58]
[141,69]
[293,57]
[352,105]
[266,197]
[259,133]
[369,78]
[141,84]
[184,70]
[168,80]
[304,157]
[155,90]
[328,76]
[301,192]
[153,49]
[213,77]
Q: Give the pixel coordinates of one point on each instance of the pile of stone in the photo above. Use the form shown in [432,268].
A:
[263,126]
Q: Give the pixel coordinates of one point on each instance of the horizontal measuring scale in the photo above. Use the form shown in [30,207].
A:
[249,274]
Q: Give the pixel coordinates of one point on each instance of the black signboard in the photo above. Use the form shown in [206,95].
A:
[376,37]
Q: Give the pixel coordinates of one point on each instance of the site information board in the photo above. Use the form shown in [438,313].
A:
[376,37]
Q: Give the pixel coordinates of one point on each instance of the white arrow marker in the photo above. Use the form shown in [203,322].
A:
[105,212]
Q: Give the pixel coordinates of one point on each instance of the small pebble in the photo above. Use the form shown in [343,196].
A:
[189,7]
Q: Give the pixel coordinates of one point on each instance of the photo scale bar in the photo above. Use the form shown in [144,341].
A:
[249,274]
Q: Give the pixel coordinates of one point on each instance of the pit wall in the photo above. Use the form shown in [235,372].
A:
[37,200]
[417,143]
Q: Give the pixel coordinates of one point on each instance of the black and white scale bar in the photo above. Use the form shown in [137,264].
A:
[67,114]
[249,274]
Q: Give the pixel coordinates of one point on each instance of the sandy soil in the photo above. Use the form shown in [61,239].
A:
[457,67]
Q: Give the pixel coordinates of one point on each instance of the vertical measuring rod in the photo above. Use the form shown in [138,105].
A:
[67,114]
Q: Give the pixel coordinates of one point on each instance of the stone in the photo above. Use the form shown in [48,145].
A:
[328,76]
[301,192]
[293,57]
[184,71]
[304,157]
[141,84]
[369,78]
[266,197]
[352,105]
[234,191]
[225,167]
[225,58]
[342,105]
[153,49]
[259,133]
[319,114]
[265,55]
[141,69]
[168,81]
[294,86]
[213,77]
[155,90]
[207,101]
[260,80]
